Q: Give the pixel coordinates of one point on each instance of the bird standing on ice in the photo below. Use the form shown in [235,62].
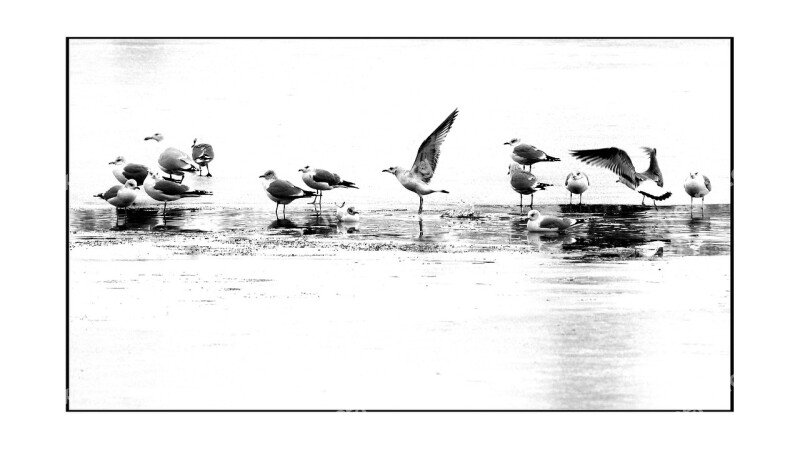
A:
[160,189]
[348,215]
[282,192]
[577,183]
[172,160]
[319,180]
[524,182]
[545,223]
[620,163]
[525,154]
[124,171]
[697,186]
[202,154]
[121,196]
[421,173]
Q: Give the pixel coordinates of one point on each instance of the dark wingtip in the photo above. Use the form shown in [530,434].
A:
[444,191]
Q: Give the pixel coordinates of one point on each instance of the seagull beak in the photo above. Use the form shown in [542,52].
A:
[112,162]
[387,171]
[261,176]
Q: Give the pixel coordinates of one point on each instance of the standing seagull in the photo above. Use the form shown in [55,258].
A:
[282,192]
[202,154]
[121,196]
[319,180]
[417,179]
[620,163]
[172,160]
[576,183]
[160,189]
[525,154]
[697,186]
[124,171]
[545,223]
[524,183]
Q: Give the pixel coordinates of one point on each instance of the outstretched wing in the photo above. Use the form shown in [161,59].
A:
[327,177]
[612,158]
[428,153]
[708,182]
[653,172]
[285,189]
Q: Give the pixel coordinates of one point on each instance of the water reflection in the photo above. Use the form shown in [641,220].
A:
[609,231]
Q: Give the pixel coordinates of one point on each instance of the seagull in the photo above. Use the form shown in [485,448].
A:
[697,188]
[417,179]
[121,196]
[202,154]
[319,180]
[524,182]
[620,163]
[545,223]
[124,171]
[525,154]
[347,215]
[282,192]
[160,189]
[172,160]
[577,183]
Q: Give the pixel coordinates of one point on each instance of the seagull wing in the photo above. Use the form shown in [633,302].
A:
[327,177]
[553,223]
[612,158]
[170,188]
[137,172]
[202,151]
[428,153]
[653,172]
[174,159]
[708,182]
[285,189]
[529,152]
[112,192]
[523,182]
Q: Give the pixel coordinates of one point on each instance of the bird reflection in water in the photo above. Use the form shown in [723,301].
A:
[346,228]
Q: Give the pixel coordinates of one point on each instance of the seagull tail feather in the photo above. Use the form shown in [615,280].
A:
[99,195]
[197,193]
[551,159]
[443,191]
[348,184]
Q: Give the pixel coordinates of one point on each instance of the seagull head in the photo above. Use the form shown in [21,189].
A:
[513,141]
[351,210]
[131,184]
[392,170]
[118,161]
[513,168]
[157,137]
[269,175]
[305,169]
[533,214]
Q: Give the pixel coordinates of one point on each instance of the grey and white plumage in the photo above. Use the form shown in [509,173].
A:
[282,192]
[527,155]
[620,163]
[524,182]
[576,183]
[121,196]
[322,180]
[160,189]
[547,223]
[202,154]
[349,214]
[697,186]
[123,171]
[173,161]
[421,173]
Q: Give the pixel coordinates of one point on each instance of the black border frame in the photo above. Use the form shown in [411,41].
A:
[67,42]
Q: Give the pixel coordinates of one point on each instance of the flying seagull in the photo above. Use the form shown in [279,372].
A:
[620,163]
[124,171]
[347,215]
[525,154]
[524,182]
[172,160]
[319,180]
[202,154]
[121,196]
[577,182]
[160,189]
[417,179]
[546,223]
[697,186]
[282,192]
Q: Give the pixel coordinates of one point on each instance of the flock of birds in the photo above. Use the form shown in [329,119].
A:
[174,162]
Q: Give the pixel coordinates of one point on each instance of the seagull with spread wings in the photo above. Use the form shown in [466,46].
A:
[160,189]
[527,155]
[697,185]
[319,180]
[124,171]
[648,183]
[282,192]
[203,154]
[421,173]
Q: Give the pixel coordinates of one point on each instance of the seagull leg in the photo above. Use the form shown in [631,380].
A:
[208,172]
[182,175]
[531,201]
[703,207]
[520,201]
[314,201]
[691,205]
[642,200]
[570,198]
[284,212]
[654,204]
[165,208]
[420,205]
[276,210]
[581,199]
